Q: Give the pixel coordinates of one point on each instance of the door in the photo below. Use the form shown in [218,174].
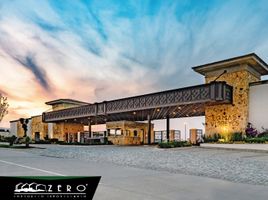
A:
[37,136]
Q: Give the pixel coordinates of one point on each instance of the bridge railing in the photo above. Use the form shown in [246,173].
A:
[215,92]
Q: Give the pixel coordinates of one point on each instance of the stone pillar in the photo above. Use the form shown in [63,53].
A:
[237,72]
[167,127]
[229,118]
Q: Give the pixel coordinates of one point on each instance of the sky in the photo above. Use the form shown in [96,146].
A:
[101,50]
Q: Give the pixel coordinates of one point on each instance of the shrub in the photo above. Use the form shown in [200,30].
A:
[54,140]
[250,131]
[212,138]
[174,144]
[256,140]
[263,134]
[11,140]
[27,141]
[237,136]
[42,142]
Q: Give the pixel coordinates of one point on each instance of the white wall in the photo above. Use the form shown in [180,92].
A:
[3,132]
[13,128]
[50,130]
[29,131]
[258,106]
[181,124]
[175,124]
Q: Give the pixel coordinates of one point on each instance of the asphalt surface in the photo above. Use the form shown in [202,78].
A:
[123,180]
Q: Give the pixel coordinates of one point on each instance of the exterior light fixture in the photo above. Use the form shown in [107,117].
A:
[174,113]
[179,108]
[134,113]
[158,110]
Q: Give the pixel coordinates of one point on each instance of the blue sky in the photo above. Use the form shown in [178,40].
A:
[107,49]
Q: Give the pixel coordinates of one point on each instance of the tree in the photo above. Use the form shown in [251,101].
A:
[24,123]
[3,106]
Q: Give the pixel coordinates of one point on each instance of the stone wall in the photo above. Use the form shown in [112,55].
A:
[60,130]
[38,126]
[226,119]
[124,140]
[128,130]
[20,131]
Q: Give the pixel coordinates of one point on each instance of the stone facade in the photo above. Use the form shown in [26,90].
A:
[39,130]
[131,133]
[67,131]
[20,131]
[229,118]
[237,72]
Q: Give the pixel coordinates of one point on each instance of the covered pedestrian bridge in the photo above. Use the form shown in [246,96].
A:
[176,103]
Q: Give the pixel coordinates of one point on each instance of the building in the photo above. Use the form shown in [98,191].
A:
[39,130]
[4,132]
[232,95]
[129,132]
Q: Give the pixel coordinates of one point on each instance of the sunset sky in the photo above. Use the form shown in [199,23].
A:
[107,49]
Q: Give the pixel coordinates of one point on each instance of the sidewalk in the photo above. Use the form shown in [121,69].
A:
[244,147]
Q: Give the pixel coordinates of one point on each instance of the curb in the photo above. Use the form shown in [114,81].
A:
[236,149]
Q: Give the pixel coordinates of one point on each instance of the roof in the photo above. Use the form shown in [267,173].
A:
[259,83]
[17,120]
[70,101]
[252,60]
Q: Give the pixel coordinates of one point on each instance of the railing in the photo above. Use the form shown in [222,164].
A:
[215,92]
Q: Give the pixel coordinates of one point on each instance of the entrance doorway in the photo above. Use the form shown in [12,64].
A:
[37,136]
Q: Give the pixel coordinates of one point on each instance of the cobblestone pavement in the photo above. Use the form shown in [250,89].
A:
[235,166]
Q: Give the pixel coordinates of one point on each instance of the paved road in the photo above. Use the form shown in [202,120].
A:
[235,166]
[126,182]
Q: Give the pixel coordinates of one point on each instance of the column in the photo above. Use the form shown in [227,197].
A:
[168,129]
[89,129]
[149,129]
[78,137]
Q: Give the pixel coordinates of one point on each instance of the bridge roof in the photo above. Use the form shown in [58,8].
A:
[182,102]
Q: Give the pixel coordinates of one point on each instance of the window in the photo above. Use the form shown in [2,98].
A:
[135,133]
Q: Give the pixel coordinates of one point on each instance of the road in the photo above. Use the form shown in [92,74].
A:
[125,182]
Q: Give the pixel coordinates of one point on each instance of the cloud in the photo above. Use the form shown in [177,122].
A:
[38,72]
